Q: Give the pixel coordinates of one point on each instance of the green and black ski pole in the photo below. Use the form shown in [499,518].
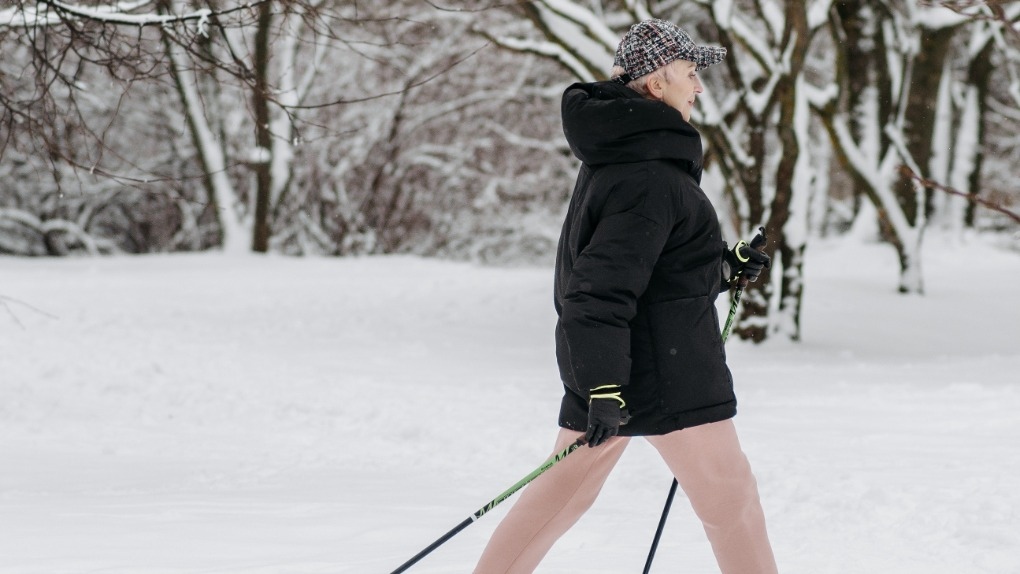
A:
[757,243]
[492,504]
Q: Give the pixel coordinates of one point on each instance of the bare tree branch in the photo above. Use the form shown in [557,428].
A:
[925,182]
[401,90]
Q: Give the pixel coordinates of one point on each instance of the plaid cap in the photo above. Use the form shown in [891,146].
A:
[652,44]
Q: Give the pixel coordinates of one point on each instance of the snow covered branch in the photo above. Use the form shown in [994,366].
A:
[554,51]
[51,227]
[52,12]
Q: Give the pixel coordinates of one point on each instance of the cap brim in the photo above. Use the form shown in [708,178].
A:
[709,56]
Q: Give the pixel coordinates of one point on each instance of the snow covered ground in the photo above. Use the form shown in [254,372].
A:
[204,413]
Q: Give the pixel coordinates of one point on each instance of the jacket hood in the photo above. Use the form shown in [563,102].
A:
[607,122]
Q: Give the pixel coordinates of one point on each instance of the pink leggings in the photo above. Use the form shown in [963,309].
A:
[707,462]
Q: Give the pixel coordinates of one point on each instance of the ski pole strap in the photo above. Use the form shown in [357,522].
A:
[736,251]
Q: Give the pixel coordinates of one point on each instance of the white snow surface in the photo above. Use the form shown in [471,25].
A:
[245,414]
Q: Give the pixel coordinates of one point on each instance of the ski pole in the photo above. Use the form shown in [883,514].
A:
[492,504]
[662,524]
[757,243]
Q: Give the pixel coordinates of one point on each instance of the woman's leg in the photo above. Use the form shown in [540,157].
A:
[549,506]
[713,471]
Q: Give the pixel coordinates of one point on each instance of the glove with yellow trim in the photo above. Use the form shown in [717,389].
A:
[606,412]
[745,262]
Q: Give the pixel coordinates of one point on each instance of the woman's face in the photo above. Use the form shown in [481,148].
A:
[677,85]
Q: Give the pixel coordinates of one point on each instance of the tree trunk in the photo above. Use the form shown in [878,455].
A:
[927,68]
[263,137]
[979,75]
[210,151]
[786,229]
[860,49]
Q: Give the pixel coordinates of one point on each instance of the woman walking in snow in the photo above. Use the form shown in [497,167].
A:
[640,263]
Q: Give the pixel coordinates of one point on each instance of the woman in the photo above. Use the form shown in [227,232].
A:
[640,262]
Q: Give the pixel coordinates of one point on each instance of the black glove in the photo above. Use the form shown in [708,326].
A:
[606,412]
[745,262]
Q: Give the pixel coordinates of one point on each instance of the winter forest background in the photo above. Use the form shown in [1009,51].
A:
[350,348]
[335,128]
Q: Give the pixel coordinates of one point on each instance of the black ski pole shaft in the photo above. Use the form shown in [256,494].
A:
[757,243]
[491,504]
[662,524]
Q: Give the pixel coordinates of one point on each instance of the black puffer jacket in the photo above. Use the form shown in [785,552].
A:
[639,267]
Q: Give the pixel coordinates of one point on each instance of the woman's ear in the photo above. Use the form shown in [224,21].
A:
[653,85]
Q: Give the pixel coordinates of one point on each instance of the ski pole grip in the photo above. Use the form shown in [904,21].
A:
[759,240]
[758,244]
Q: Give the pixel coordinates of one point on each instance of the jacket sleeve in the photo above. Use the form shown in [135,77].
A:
[608,277]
